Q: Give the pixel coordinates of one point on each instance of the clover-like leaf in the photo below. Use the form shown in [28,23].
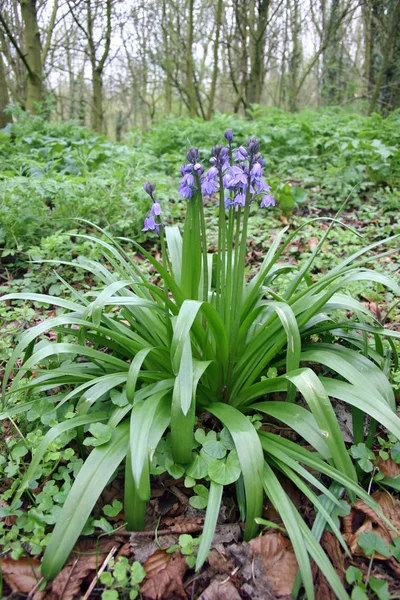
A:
[226,471]
[101,434]
[214,448]
[112,510]
[370,543]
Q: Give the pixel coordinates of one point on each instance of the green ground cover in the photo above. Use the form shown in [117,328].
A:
[50,174]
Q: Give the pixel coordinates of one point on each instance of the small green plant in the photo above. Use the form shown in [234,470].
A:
[371,544]
[187,545]
[139,363]
[122,579]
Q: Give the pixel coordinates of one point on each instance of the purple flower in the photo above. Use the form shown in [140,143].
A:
[212,172]
[239,199]
[262,186]
[187,179]
[186,192]
[151,225]
[198,169]
[209,186]
[193,155]
[156,210]
[149,188]
[228,203]
[253,146]
[267,201]
[256,170]
[239,176]
[186,169]
[240,153]
[229,135]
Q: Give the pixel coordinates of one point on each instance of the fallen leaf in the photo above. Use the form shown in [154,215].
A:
[363,519]
[182,525]
[167,572]
[22,575]
[388,467]
[219,564]
[86,557]
[279,560]
[220,590]
[322,588]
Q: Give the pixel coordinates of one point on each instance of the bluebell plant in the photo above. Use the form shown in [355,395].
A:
[146,360]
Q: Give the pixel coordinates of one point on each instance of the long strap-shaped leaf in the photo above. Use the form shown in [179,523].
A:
[354,367]
[250,456]
[317,399]
[367,402]
[213,504]
[299,419]
[52,349]
[90,482]
[282,504]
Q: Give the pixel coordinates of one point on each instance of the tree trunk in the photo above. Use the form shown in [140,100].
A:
[218,26]
[393,19]
[4,99]
[295,58]
[97,101]
[191,91]
[33,54]
[257,27]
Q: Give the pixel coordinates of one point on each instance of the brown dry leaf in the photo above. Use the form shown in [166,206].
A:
[167,572]
[67,584]
[279,560]
[182,525]
[388,467]
[220,590]
[322,588]
[362,519]
[219,564]
[22,575]
[313,242]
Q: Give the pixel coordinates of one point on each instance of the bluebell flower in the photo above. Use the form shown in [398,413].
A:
[239,199]
[240,153]
[186,192]
[187,179]
[229,135]
[262,186]
[193,155]
[239,176]
[151,225]
[156,210]
[267,201]
[149,188]
[186,169]
[228,203]
[198,169]
[256,170]
[209,186]
[253,146]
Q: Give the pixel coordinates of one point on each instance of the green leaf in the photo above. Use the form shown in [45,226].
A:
[90,482]
[214,448]
[251,459]
[226,471]
[353,575]
[380,587]
[112,510]
[370,543]
[214,503]
[102,434]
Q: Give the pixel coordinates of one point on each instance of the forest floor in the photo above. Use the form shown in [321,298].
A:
[49,173]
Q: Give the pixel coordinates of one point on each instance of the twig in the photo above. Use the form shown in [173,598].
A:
[99,572]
